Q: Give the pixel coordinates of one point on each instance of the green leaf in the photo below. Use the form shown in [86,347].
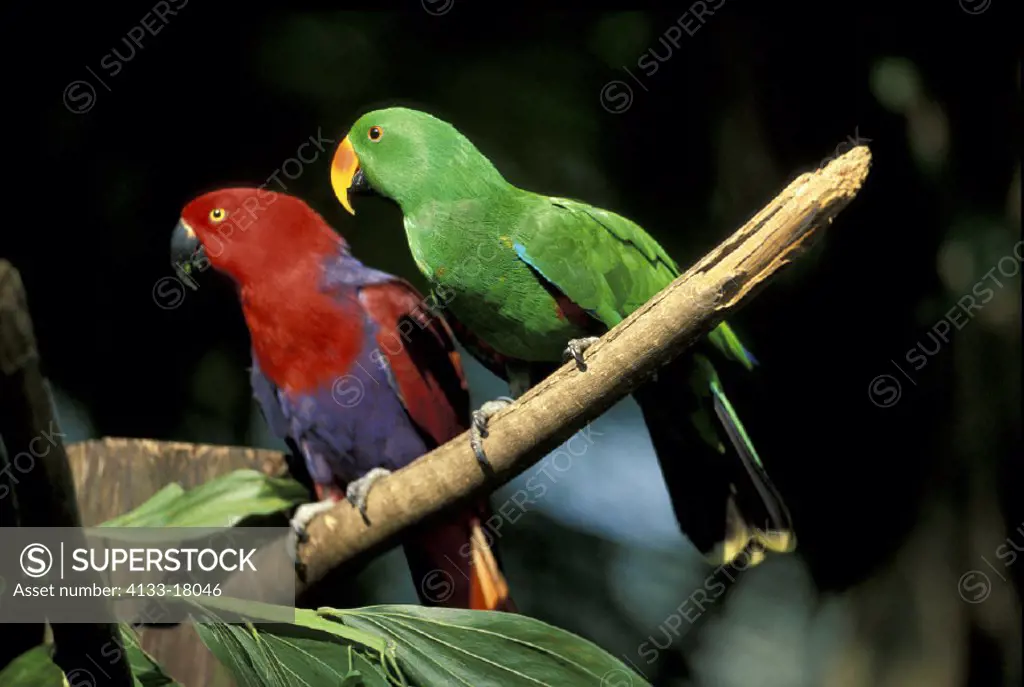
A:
[157,503]
[222,502]
[36,668]
[401,644]
[285,656]
[442,646]
[259,612]
[145,670]
[313,651]
[33,668]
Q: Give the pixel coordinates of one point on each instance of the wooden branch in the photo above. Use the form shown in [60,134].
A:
[38,478]
[566,401]
[28,635]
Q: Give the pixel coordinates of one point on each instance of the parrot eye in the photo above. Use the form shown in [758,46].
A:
[217,215]
[375,133]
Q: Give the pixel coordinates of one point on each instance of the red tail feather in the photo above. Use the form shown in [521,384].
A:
[454,565]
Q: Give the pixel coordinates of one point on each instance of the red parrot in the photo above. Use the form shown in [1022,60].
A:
[350,369]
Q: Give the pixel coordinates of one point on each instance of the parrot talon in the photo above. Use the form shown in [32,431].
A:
[575,349]
[304,515]
[478,431]
[357,491]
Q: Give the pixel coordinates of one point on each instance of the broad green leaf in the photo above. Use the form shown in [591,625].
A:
[145,670]
[401,644]
[313,651]
[33,668]
[259,612]
[442,646]
[156,503]
[222,502]
[288,656]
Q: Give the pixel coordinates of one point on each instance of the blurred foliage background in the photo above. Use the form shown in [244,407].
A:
[899,475]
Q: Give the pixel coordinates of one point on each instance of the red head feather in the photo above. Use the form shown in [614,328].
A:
[274,247]
[248,232]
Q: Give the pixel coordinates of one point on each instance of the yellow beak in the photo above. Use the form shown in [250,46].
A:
[343,168]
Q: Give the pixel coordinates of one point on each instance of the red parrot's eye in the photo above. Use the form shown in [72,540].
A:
[375,133]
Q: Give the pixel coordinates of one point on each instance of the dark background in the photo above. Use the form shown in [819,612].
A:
[897,491]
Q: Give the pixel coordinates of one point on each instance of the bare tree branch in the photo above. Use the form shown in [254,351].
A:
[41,485]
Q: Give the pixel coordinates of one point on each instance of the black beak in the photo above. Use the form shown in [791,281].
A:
[187,254]
[359,184]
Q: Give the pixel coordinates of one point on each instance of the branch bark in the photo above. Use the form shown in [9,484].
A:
[41,487]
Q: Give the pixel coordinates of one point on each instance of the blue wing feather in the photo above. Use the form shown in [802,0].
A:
[355,421]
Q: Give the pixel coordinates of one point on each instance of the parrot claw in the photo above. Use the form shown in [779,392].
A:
[575,350]
[304,515]
[479,429]
[358,490]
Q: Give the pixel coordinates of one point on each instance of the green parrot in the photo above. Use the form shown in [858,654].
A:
[530,280]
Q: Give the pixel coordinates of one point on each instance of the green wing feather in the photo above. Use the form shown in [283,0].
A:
[610,266]
[605,263]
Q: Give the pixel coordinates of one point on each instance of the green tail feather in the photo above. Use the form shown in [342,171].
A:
[758,513]
[724,339]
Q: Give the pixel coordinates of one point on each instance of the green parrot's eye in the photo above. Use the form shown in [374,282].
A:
[217,215]
[375,133]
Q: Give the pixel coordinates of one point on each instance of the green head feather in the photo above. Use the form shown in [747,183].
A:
[412,158]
